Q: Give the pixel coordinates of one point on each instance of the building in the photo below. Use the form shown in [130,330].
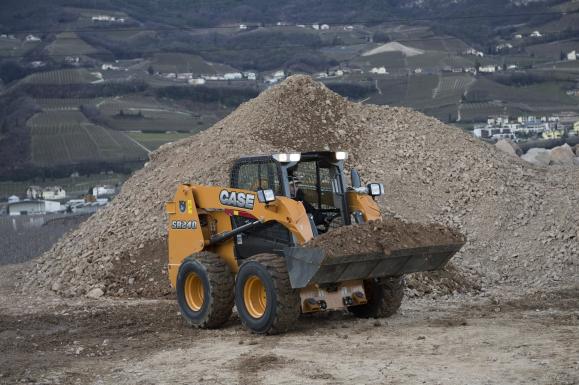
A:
[109,67]
[316,26]
[572,56]
[324,27]
[233,76]
[473,52]
[243,27]
[51,193]
[379,70]
[349,28]
[33,207]
[487,69]
[536,34]
[504,46]
[250,75]
[103,190]
[197,81]
[13,199]
[32,38]
[518,36]
[576,128]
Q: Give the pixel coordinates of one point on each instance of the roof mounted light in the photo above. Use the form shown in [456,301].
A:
[284,158]
[341,155]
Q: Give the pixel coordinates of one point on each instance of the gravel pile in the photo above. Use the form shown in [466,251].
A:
[521,221]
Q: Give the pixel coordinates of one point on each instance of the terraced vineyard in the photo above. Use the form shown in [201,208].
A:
[68,76]
[65,137]
[65,104]
[68,43]
[450,88]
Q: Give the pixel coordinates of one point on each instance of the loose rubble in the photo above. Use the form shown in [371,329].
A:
[521,221]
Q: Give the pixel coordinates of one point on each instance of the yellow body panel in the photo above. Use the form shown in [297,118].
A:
[197,213]
[364,204]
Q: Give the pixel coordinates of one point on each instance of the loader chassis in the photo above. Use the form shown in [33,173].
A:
[255,230]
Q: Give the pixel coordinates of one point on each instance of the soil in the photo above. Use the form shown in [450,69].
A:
[383,237]
[484,339]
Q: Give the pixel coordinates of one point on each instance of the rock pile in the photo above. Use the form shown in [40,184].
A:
[521,221]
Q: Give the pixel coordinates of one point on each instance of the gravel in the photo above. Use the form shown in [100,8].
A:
[520,220]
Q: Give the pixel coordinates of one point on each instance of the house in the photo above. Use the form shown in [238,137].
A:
[301,25]
[418,70]
[518,36]
[576,128]
[487,69]
[324,27]
[279,74]
[571,56]
[72,60]
[53,192]
[33,207]
[103,190]
[37,64]
[473,52]
[512,67]
[197,81]
[339,73]
[32,38]
[13,199]
[316,26]
[242,27]
[185,76]
[504,46]
[107,18]
[233,76]
[379,70]
[536,34]
[250,75]
[321,75]
[110,67]
[349,28]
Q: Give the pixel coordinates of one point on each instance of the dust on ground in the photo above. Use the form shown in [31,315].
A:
[454,340]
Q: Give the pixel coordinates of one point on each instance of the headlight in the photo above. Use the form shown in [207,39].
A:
[266,196]
[341,155]
[375,189]
[283,158]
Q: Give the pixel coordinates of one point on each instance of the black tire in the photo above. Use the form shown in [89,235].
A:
[217,281]
[282,304]
[384,298]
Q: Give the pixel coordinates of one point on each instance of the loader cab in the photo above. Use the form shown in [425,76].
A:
[314,178]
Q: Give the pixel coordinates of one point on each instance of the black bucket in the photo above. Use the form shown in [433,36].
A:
[309,265]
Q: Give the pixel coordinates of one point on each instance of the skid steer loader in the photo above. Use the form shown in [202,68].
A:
[244,245]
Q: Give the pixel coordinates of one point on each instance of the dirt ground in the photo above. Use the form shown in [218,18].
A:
[457,340]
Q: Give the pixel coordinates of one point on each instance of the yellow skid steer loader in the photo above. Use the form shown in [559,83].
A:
[244,245]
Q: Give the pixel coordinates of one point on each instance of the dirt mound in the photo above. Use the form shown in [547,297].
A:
[520,220]
[383,236]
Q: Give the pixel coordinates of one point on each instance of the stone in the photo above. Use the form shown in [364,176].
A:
[95,293]
[562,155]
[538,156]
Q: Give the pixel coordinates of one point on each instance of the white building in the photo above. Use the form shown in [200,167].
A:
[536,34]
[324,27]
[301,25]
[185,76]
[279,74]
[349,28]
[103,190]
[504,46]
[32,38]
[13,199]
[518,36]
[250,75]
[379,70]
[487,69]
[111,67]
[233,76]
[197,81]
[316,26]
[512,67]
[242,27]
[53,192]
[33,207]
[571,56]
[473,52]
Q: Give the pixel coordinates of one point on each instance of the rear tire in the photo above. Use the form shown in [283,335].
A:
[205,290]
[384,298]
[264,298]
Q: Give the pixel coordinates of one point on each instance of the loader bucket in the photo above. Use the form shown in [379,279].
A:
[309,265]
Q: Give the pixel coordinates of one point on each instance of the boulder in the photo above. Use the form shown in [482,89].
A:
[538,156]
[95,293]
[562,155]
[507,146]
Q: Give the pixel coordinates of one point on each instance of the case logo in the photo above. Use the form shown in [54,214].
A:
[237,199]
[182,206]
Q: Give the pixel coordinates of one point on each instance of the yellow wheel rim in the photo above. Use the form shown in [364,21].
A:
[254,296]
[194,292]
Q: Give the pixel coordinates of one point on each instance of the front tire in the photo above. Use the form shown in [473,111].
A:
[384,298]
[205,290]
[264,298]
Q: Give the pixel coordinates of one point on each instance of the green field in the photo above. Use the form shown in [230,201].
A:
[67,76]
[153,140]
[66,137]
[181,63]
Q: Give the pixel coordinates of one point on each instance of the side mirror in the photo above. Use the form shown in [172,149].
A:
[266,196]
[375,189]
[356,181]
